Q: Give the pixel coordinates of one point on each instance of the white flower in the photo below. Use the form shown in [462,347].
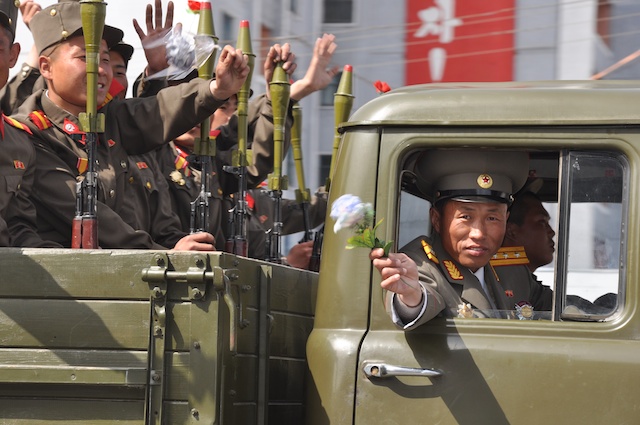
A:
[348,211]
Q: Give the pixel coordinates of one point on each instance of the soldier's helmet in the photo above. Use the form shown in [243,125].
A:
[471,175]
[58,22]
[9,15]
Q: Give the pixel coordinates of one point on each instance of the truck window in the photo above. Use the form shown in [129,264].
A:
[585,194]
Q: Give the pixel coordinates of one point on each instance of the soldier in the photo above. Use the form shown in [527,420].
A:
[132,126]
[528,244]
[184,178]
[17,156]
[450,274]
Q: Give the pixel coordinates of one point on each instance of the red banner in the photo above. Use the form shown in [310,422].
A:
[459,40]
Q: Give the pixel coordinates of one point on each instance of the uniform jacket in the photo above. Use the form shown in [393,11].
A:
[261,213]
[448,285]
[133,126]
[517,281]
[184,178]
[17,168]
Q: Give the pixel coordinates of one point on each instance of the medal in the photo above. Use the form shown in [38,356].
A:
[524,310]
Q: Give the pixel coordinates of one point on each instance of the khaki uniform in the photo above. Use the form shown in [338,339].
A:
[150,202]
[261,211]
[519,284]
[184,179]
[17,168]
[20,87]
[133,126]
[448,285]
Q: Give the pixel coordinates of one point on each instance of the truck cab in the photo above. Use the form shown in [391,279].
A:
[567,365]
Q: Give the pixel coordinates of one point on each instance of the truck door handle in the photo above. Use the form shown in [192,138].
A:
[383,370]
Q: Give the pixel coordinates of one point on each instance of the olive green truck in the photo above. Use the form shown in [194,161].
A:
[141,337]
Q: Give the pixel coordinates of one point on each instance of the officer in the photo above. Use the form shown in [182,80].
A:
[449,273]
[132,126]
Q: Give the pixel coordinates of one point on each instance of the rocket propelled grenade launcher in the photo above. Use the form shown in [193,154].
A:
[303,195]
[84,232]
[205,146]
[280,90]
[342,103]
[237,243]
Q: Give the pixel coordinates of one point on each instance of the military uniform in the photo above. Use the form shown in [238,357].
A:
[447,286]
[519,284]
[132,126]
[261,213]
[150,202]
[20,87]
[184,178]
[17,167]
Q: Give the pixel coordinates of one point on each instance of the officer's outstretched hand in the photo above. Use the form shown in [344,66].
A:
[231,72]
[399,274]
[201,241]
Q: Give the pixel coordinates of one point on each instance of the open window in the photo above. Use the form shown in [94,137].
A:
[586,196]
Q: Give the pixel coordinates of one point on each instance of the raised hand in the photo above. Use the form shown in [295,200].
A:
[319,74]
[152,41]
[231,72]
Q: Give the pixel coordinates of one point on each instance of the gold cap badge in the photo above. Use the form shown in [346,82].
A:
[485,181]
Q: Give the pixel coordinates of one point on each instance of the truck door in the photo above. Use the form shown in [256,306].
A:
[575,364]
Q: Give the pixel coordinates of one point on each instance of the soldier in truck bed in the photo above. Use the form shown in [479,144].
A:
[132,126]
[449,274]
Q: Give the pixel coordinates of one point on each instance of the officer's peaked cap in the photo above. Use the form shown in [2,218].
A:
[471,175]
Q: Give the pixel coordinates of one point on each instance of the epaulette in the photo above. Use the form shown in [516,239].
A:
[509,256]
[40,120]
[17,124]
[431,255]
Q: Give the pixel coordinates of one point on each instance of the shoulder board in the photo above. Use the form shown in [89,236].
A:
[509,256]
[40,120]
[428,250]
[17,124]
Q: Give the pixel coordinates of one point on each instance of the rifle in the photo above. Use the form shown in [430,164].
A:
[280,89]
[205,146]
[343,102]
[303,196]
[237,243]
[84,230]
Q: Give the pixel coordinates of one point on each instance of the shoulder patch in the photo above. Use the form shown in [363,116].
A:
[431,255]
[509,256]
[17,124]
[40,120]
[453,270]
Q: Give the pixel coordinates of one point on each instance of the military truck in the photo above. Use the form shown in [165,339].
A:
[138,337]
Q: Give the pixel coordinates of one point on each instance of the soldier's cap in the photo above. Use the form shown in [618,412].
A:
[58,22]
[125,50]
[9,15]
[471,175]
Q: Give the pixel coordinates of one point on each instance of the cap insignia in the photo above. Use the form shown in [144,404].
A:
[453,271]
[485,181]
